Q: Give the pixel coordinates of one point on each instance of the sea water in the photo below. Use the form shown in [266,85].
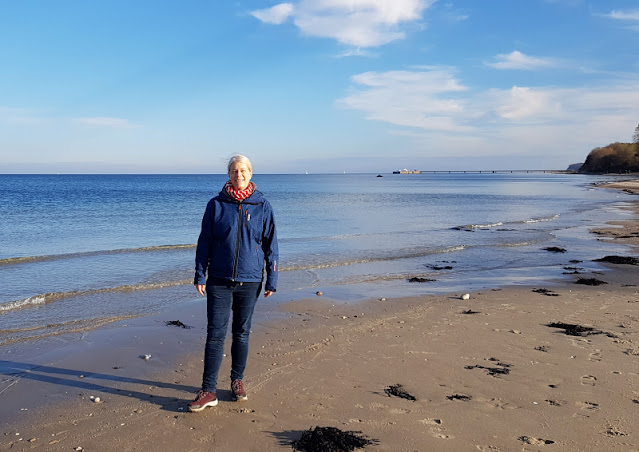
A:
[79,251]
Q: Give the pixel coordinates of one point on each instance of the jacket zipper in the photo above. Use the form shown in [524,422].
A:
[237,240]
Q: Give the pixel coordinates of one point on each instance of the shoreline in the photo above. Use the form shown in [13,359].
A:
[317,361]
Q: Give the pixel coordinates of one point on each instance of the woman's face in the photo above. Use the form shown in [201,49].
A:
[240,175]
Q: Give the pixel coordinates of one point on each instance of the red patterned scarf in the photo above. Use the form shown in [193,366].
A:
[239,195]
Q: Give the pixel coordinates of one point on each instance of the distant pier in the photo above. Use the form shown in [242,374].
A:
[482,171]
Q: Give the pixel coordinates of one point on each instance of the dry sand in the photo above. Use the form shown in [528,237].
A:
[488,374]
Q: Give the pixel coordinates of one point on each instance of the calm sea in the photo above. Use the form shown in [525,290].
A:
[80,251]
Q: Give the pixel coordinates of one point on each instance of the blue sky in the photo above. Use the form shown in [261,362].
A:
[314,85]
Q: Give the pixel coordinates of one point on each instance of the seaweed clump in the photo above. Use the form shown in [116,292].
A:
[420,280]
[503,369]
[555,249]
[623,260]
[590,281]
[331,439]
[572,329]
[547,292]
[398,391]
[177,323]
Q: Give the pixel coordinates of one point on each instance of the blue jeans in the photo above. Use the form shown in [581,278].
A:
[222,297]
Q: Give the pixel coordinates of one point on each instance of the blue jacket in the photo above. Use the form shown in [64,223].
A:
[237,240]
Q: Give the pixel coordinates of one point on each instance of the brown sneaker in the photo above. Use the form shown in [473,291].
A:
[202,400]
[237,388]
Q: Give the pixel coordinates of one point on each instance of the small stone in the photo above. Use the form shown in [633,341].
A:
[97,400]
[80,376]
[344,317]
[382,299]
[466,296]
[319,293]
[32,440]
[515,331]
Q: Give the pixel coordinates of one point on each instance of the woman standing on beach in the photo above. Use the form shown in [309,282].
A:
[237,242]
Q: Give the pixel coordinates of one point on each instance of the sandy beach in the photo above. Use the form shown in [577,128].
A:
[552,366]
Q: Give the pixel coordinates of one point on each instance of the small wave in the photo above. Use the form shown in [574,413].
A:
[516,244]
[541,220]
[41,299]
[54,257]
[43,331]
[470,227]
[12,305]
[405,255]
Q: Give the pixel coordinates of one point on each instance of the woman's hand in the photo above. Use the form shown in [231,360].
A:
[201,288]
[268,293]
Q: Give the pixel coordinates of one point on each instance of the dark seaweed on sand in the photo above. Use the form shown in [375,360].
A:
[177,323]
[470,311]
[624,260]
[504,368]
[437,267]
[546,292]
[331,439]
[398,391]
[463,398]
[555,249]
[590,281]
[572,329]
[417,279]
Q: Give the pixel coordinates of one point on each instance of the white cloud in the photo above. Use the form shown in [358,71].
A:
[118,123]
[624,15]
[431,106]
[517,60]
[405,98]
[275,15]
[526,103]
[358,23]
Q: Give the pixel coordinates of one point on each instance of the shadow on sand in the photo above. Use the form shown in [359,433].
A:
[97,384]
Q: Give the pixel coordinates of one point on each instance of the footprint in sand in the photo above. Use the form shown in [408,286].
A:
[595,356]
[377,407]
[437,433]
[399,411]
[430,421]
[588,406]
[614,430]
[588,380]
[535,441]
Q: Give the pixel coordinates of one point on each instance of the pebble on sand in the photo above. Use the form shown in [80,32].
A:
[466,296]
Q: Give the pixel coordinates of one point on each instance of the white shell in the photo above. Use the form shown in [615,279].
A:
[466,296]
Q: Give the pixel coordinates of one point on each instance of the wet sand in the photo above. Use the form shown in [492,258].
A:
[496,372]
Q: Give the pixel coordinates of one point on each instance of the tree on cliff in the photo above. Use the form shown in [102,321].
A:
[614,158]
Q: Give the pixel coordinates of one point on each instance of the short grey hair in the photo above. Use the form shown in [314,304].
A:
[241,159]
